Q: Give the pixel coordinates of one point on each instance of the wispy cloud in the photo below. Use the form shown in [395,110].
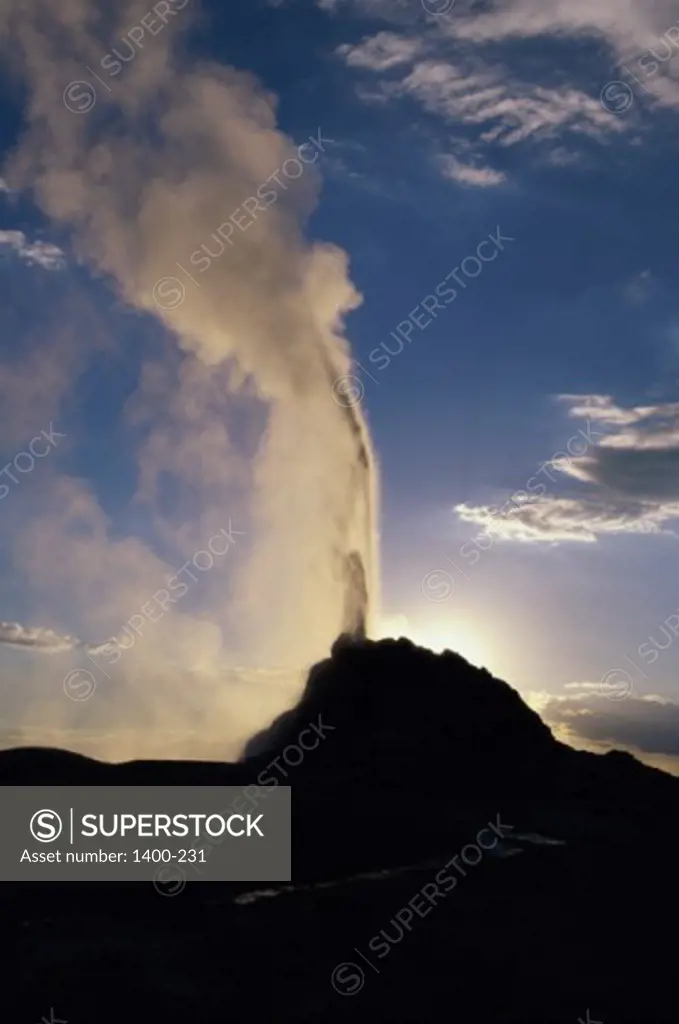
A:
[506,109]
[467,174]
[556,520]
[381,52]
[497,106]
[13,634]
[455,72]
[39,253]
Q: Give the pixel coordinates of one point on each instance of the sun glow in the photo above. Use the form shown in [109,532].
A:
[454,635]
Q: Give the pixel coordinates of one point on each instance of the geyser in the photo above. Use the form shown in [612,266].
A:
[143,180]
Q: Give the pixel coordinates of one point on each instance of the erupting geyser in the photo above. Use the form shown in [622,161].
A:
[177,186]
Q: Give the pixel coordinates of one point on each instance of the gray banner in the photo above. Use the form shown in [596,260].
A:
[168,834]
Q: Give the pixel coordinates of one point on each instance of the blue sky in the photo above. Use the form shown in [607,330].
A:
[551,123]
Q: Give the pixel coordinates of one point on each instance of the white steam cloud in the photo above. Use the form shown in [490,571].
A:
[151,179]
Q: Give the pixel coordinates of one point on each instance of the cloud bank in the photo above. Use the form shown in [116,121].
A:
[629,477]
[647,725]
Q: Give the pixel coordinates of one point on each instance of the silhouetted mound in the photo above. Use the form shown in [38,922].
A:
[407,731]
[399,760]
[401,715]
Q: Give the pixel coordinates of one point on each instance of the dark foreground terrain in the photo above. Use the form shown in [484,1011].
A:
[571,915]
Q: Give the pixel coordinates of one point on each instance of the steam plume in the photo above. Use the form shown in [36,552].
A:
[145,180]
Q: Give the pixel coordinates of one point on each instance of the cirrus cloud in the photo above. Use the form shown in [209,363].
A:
[471,68]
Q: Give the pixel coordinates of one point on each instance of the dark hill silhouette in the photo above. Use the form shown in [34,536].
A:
[418,753]
[398,709]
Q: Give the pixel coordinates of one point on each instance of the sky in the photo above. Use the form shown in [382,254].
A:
[477,233]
